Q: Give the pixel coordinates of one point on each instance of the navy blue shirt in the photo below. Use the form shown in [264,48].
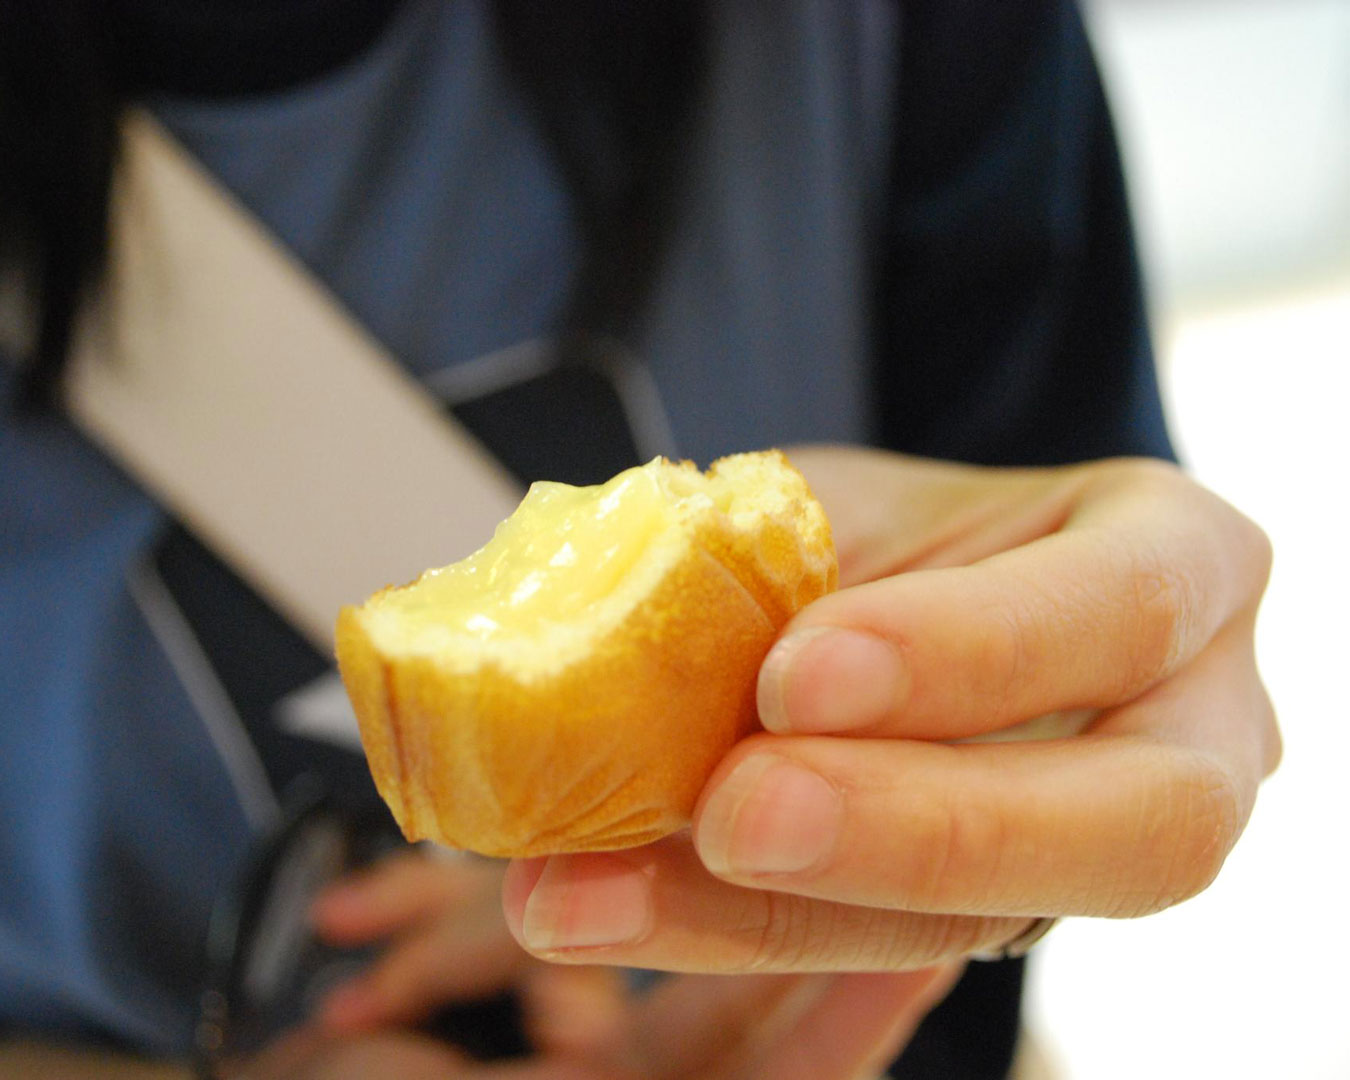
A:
[938,261]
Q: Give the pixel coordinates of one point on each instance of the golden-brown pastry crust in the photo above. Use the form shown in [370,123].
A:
[612,749]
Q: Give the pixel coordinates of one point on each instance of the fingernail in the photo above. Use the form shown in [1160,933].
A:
[826,679]
[770,816]
[587,901]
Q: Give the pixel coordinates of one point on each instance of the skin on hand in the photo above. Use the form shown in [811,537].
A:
[793,1027]
[439,919]
[860,831]
[447,940]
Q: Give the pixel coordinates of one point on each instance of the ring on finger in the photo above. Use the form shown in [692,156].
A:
[1022,943]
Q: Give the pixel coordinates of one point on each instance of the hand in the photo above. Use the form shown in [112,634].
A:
[690,1028]
[860,832]
[443,919]
[312,1054]
[439,920]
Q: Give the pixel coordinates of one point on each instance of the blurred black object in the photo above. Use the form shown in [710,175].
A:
[267,972]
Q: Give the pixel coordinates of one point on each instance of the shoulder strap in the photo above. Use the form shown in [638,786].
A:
[239,392]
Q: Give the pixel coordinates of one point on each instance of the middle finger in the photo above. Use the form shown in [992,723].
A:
[658,907]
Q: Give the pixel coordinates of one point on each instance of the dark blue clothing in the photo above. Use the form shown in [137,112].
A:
[1013,328]
[939,263]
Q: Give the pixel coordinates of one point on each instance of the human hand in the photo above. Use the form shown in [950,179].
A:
[790,1027]
[857,834]
[439,923]
[309,1053]
[448,941]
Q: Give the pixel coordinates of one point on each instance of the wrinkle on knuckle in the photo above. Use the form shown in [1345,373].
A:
[1215,816]
[999,652]
[789,927]
[882,939]
[874,939]
[927,857]
[955,849]
[1198,819]
[939,938]
[1163,602]
[883,942]
[944,937]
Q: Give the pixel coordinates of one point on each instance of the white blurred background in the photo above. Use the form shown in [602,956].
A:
[1235,120]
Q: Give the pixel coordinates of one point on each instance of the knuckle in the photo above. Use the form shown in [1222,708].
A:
[1163,600]
[1272,742]
[1259,551]
[927,858]
[1240,536]
[789,927]
[952,853]
[1213,817]
[799,934]
[1201,814]
[1000,656]
[1242,548]
[899,941]
[885,942]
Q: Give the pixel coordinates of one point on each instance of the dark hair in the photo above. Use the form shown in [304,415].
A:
[611,83]
[57,148]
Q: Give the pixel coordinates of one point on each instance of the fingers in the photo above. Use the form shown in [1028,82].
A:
[890,513]
[715,1028]
[1218,707]
[399,891]
[859,1026]
[658,907]
[698,1025]
[1091,826]
[414,978]
[449,941]
[577,1012]
[820,1027]
[1119,588]
[307,1054]
[854,855]
[1136,815]
[1145,570]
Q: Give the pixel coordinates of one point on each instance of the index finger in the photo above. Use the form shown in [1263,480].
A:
[1143,571]
[1137,815]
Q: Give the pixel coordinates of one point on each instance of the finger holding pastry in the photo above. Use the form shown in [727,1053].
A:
[1120,592]
[905,802]
[863,830]
[440,922]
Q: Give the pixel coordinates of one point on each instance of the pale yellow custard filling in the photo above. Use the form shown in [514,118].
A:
[564,549]
[572,562]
